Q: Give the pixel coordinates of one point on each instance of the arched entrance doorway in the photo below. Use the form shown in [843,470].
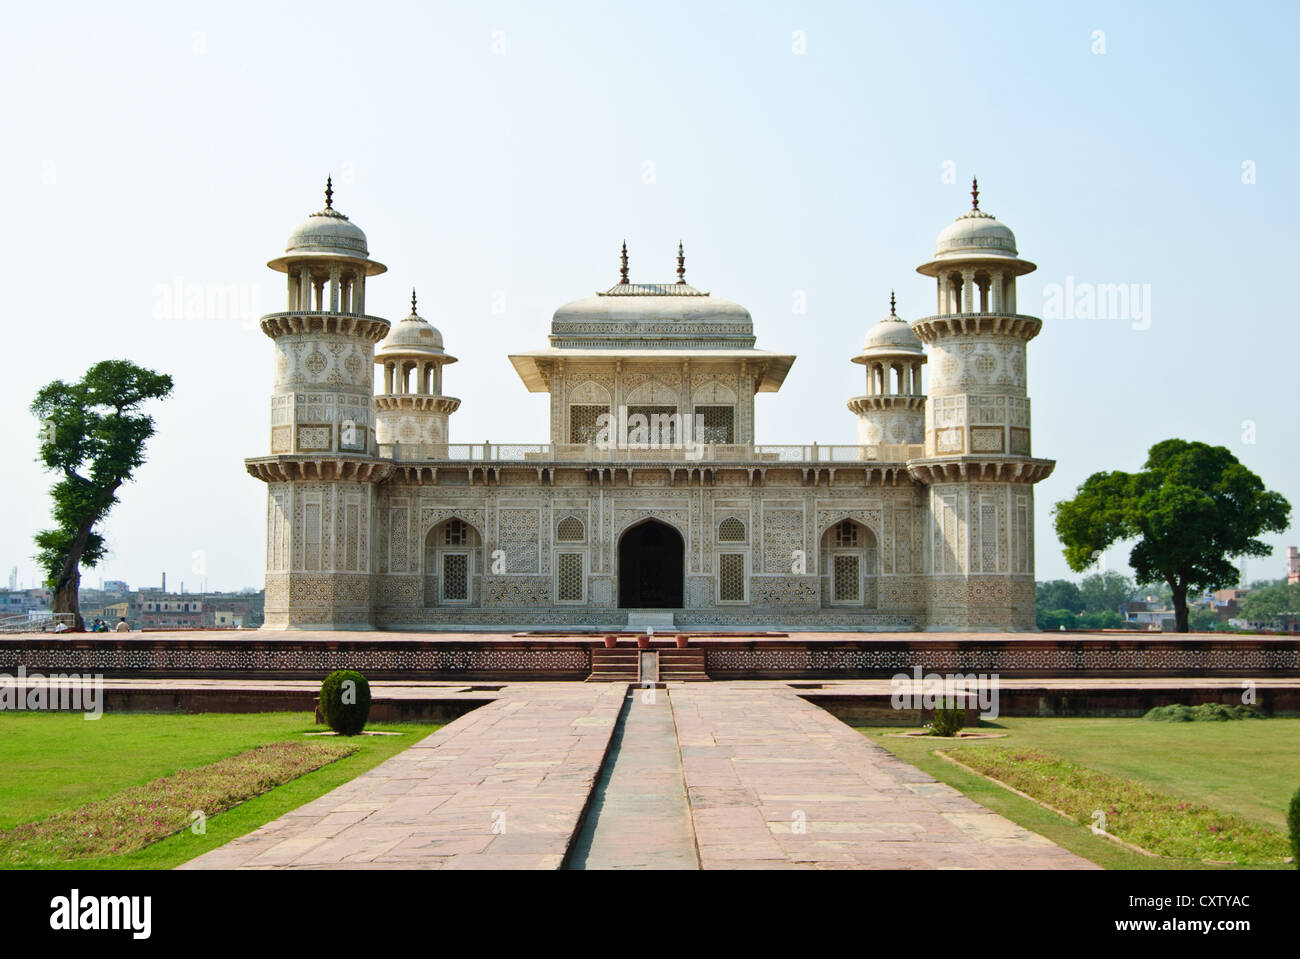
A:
[650,567]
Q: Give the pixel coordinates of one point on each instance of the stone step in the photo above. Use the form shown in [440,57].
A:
[622,664]
[613,665]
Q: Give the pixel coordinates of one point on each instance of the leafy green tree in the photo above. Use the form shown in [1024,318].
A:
[1101,619]
[1278,604]
[1202,620]
[1105,592]
[1054,619]
[92,437]
[1059,594]
[1191,508]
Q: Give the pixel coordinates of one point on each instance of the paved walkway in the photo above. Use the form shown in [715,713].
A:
[501,788]
[639,817]
[776,782]
[772,781]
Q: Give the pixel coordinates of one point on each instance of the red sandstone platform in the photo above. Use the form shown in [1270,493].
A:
[474,656]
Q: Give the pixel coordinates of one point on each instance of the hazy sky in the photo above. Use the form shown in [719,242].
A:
[500,152]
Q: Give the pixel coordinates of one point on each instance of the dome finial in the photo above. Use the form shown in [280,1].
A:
[891,304]
[975,194]
[413,313]
[681,263]
[329,192]
[622,272]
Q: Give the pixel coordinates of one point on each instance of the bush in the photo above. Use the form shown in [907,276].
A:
[1054,619]
[1205,712]
[948,719]
[345,701]
[1293,824]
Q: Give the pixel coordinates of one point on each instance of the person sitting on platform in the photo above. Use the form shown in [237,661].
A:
[122,625]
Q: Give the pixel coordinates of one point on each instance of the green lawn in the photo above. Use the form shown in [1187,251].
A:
[1249,767]
[56,761]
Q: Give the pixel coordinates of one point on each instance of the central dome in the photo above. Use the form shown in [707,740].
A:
[648,315]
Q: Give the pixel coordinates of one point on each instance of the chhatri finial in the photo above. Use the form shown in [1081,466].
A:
[975,194]
[413,313]
[329,193]
[891,304]
[681,263]
[622,272]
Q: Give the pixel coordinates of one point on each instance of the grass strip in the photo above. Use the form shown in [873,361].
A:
[1134,813]
[133,818]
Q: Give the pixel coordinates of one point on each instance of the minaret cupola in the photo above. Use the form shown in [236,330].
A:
[411,410]
[327,262]
[893,408]
[976,263]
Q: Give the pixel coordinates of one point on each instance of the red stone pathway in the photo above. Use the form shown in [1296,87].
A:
[500,788]
[776,782]
[773,782]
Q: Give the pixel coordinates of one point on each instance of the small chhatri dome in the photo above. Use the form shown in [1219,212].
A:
[412,336]
[328,231]
[975,233]
[890,336]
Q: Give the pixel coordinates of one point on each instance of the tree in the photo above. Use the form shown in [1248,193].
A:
[1105,592]
[1277,604]
[1102,619]
[1059,594]
[1054,619]
[1191,508]
[1202,620]
[92,436]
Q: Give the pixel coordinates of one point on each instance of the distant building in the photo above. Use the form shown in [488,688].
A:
[117,611]
[23,601]
[163,611]
[1148,613]
[1292,565]
[1226,604]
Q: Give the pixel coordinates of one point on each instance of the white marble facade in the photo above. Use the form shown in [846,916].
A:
[650,492]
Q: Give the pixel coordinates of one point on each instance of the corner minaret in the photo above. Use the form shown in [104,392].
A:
[322,469]
[892,410]
[978,464]
[411,412]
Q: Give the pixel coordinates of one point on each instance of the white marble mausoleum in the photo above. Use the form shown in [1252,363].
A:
[650,499]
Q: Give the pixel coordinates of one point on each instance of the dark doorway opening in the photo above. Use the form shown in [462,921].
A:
[650,567]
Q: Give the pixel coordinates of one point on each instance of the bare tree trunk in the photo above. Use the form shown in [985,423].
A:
[66,600]
[1179,591]
[66,597]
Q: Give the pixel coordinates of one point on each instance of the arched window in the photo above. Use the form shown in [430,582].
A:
[731,530]
[570,530]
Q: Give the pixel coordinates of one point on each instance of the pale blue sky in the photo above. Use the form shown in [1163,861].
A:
[152,144]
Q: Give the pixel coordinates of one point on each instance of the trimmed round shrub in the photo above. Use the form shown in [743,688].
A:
[345,701]
[948,719]
[1293,824]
